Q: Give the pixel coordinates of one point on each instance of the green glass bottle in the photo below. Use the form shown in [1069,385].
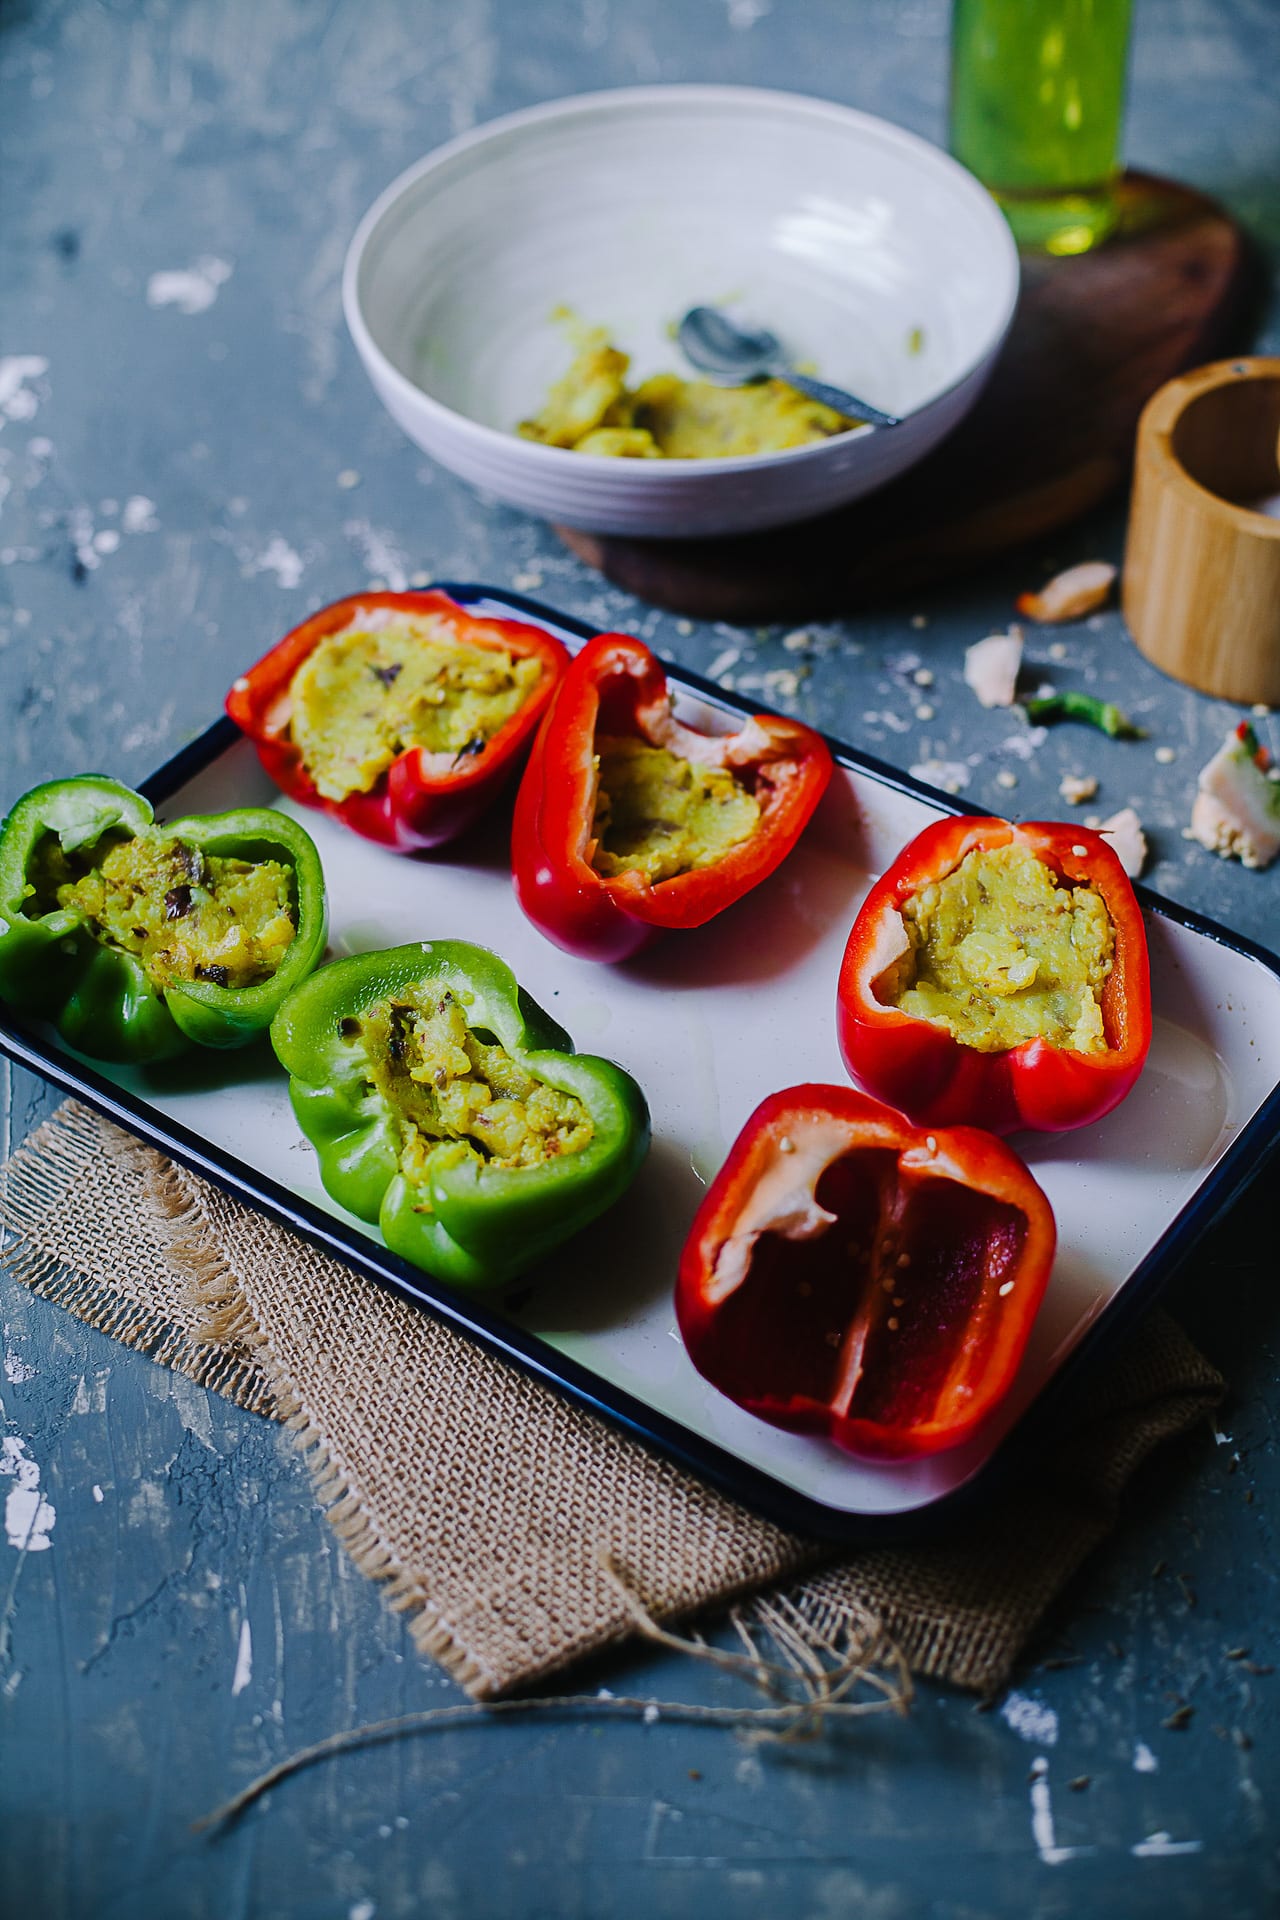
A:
[1037,106]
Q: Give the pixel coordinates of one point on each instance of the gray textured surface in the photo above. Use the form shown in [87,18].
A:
[176,488]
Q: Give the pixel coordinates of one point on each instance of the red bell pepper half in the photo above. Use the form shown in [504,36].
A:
[416,803]
[616,687]
[941,1081]
[851,1275]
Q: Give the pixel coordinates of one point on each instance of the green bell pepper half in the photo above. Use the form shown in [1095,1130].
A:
[469,1222]
[99,997]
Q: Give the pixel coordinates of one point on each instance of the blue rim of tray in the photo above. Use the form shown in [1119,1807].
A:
[799,1512]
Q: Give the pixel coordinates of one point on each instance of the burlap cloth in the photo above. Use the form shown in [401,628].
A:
[488,1504]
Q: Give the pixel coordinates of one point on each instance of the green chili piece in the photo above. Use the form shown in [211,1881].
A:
[1074,705]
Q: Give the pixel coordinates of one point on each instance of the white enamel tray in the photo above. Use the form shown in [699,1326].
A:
[708,1023]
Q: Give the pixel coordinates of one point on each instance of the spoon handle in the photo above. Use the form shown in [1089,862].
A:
[836,397]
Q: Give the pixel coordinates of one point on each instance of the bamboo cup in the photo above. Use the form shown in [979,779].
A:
[1201,584]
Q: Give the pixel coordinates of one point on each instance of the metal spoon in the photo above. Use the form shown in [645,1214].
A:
[736,355]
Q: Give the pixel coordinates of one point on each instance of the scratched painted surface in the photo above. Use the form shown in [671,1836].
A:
[189,459]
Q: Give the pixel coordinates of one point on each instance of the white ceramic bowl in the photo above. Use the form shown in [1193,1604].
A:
[877,259]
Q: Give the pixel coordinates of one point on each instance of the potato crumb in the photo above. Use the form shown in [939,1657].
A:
[1076,788]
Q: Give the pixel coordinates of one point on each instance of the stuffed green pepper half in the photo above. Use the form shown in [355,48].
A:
[449,1109]
[137,939]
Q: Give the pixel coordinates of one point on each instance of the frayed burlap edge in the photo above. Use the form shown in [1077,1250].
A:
[61,1161]
[224,1315]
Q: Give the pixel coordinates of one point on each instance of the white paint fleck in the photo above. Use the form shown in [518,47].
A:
[278,557]
[1042,1828]
[17,401]
[379,553]
[1161,1846]
[16,1370]
[28,1517]
[362,1910]
[1144,1761]
[1024,746]
[950,775]
[724,662]
[191,289]
[651,1716]
[1031,1719]
[80,1401]
[244,1660]
[139,515]
[192,1403]
[98,1493]
[106,541]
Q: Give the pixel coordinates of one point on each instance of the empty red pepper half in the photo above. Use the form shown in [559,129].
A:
[423,799]
[939,1080]
[616,688]
[851,1275]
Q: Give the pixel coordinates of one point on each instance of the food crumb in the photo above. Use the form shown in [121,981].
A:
[1260,709]
[1006,1288]
[1069,595]
[786,1144]
[991,667]
[348,478]
[419,579]
[1166,756]
[1058,651]
[923,676]
[799,641]
[1006,778]
[924,711]
[526,581]
[684,628]
[1076,788]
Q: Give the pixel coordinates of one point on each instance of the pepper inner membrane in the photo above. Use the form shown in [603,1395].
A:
[447,1082]
[184,914]
[1002,952]
[368,694]
[884,1317]
[662,815]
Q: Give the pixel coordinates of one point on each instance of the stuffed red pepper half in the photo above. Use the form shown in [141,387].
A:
[851,1275]
[399,713]
[997,975]
[629,823]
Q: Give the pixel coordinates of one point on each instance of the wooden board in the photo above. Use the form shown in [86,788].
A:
[1050,436]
